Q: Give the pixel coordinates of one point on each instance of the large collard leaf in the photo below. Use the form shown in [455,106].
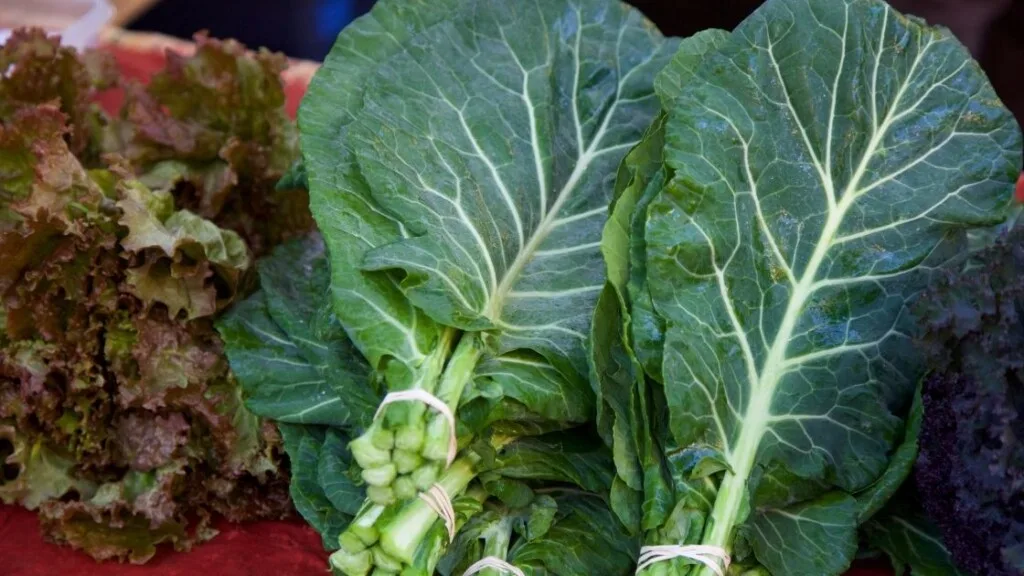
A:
[288,350]
[503,187]
[379,320]
[494,197]
[826,160]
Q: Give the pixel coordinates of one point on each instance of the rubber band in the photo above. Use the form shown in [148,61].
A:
[492,562]
[432,401]
[715,558]
[438,501]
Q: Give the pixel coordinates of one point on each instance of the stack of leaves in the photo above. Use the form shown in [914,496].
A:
[970,473]
[460,158]
[119,418]
[809,174]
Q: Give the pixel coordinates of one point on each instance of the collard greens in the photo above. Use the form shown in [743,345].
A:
[812,171]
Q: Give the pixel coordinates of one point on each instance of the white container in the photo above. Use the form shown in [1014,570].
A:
[78,22]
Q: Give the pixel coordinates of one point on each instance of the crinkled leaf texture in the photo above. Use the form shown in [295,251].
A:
[212,129]
[475,209]
[822,164]
[119,420]
[38,70]
[970,469]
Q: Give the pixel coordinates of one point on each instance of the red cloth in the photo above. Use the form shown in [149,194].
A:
[256,549]
[253,549]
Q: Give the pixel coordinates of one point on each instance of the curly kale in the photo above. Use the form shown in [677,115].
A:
[970,471]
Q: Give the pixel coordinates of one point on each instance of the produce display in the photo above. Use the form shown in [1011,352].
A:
[570,297]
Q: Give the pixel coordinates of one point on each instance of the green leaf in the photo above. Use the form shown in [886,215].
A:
[825,162]
[560,457]
[381,323]
[335,476]
[625,333]
[487,231]
[680,70]
[288,350]
[542,389]
[584,539]
[304,445]
[909,538]
[505,229]
[901,464]
[807,539]
[35,473]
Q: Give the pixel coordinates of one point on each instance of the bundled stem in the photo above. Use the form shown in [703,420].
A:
[394,538]
[406,449]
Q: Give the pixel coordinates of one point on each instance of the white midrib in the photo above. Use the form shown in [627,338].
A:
[755,421]
[728,504]
[496,302]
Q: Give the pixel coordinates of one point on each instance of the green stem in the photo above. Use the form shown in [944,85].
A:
[457,374]
[732,504]
[496,543]
[402,535]
[372,449]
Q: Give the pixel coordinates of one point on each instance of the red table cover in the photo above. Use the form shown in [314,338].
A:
[283,548]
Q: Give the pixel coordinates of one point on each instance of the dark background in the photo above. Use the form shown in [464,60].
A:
[992,29]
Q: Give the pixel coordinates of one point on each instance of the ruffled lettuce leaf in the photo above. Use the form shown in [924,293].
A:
[38,70]
[211,128]
[130,429]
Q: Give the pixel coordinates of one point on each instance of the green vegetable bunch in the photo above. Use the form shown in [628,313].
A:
[584,297]
[810,174]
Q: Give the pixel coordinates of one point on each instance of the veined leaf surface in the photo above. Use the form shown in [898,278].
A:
[288,350]
[492,138]
[826,160]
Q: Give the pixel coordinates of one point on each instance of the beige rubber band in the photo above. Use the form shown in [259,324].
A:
[715,558]
[493,562]
[432,401]
[438,501]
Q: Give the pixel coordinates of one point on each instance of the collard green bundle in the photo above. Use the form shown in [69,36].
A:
[810,173]
[120,421]
[460,157]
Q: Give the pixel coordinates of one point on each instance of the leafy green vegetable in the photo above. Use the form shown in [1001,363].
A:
[309,448]
[460,171]
[561,533]
[814,170]
[120,422]
[288,349]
